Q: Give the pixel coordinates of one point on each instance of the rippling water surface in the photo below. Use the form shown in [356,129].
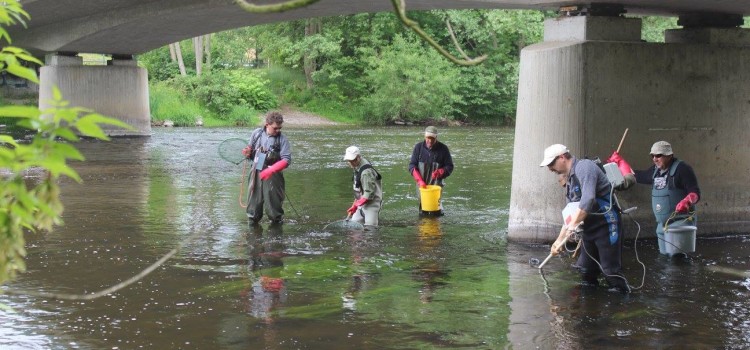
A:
[450,282]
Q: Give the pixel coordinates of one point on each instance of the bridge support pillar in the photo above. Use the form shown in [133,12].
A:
[118,90]
[593,77]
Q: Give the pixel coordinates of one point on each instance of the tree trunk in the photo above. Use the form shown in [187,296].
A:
[207,50]
[312,27]
[180,62]
[198,47]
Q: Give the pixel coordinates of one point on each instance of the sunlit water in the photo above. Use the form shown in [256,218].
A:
[415,283]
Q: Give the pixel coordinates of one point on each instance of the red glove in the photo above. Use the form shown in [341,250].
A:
[621,163]
[438,174]
[275,168]
[247,151]
[418,177]
[684,205]
[358,203]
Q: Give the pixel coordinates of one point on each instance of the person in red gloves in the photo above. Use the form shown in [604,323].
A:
[674,190]
[368,190]
[595,218]
[271,153]
[430,164]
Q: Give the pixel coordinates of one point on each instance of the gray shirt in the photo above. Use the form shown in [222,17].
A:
[265,142]
[586,182]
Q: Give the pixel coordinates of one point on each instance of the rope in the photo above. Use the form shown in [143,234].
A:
[112,289]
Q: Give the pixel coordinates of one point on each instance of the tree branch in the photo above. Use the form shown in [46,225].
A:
[400,8]
[455,42]
[280,7]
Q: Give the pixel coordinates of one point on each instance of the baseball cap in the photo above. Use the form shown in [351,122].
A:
[351,153]
[430,131]
[552,152]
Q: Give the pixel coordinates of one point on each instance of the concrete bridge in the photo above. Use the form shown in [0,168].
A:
[591,78]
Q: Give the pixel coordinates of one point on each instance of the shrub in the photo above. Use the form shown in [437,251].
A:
[170,103]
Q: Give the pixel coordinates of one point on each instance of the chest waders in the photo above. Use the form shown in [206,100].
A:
[602,242]
[369,213]
[266,195]
[663,203]
[606,216]
[357,178]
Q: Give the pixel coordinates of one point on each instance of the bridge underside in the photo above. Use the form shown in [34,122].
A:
[127,27]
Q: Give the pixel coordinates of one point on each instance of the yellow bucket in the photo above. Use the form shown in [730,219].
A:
[430,197]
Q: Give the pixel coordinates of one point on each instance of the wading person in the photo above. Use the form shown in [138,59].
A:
[271,153]
[430,164]
[596,218]
[368,191]
[674,190]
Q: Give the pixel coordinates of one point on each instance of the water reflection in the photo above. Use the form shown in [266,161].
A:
[429,270]
[266,292]
[448,282]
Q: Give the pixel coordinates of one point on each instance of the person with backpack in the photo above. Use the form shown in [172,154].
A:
[368,189]
[270,152]
[595,220]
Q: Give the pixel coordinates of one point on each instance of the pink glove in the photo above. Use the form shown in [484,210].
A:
[358,203]
[438,174]
[418,177]
[247,151]
[684,205]
[621,163]
[275,168]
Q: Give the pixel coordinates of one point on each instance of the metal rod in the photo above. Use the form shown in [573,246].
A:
[545,261]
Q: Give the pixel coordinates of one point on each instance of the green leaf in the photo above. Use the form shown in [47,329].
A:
[89,128]
[69,151]
[67,134]
[101,119]
[23,72]
[56,94]
[19,111]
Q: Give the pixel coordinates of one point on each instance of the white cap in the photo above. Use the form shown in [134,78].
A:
[661,147]
[552,152]
[351,153]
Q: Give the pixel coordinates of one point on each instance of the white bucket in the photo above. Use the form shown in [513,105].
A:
[679,239]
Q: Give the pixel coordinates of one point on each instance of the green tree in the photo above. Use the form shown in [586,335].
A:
[35,206]
[409,83]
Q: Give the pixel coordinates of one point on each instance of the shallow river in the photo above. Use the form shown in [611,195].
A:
[415,283]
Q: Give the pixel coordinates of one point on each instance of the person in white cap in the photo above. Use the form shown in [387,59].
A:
[368,189]
[596,218]
[674,190]
[430,160]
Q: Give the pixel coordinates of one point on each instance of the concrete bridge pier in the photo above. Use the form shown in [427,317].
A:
[592,77]
[118,90]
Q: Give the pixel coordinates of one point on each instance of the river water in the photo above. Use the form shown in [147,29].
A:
[415,283]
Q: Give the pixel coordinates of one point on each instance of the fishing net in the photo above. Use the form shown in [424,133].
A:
[344,225]
[231,150]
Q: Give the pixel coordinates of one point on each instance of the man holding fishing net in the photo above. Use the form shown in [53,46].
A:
[270,153]
[595,218]
[368,190]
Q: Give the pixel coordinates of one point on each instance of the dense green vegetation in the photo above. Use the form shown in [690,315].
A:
[365,68]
